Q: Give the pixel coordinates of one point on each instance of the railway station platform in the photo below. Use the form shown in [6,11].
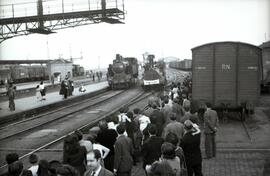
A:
[32,85]
[25,104]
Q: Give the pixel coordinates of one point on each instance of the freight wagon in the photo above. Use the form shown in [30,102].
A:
[77,70]
[184,65]
[265,83]
[20,73]
[227,74]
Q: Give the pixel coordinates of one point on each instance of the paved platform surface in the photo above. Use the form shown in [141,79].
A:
[28,103]
[230,163]
[29,85]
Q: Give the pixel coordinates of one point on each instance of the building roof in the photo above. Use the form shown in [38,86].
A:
[60,61]
[24,61]
[56,61]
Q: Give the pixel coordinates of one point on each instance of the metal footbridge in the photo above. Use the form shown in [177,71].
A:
[46,16]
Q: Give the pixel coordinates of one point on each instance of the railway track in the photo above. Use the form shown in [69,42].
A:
[26,152]
[51,116]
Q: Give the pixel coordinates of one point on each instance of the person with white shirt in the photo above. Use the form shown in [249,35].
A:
[122,117]
[143,121]
[94,167]
[42,90]
[104,151]
[114,123]
[33,159]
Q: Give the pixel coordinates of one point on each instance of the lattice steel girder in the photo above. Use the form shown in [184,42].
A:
[12,27]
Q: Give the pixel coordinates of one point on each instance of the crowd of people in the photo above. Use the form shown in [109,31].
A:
[94,75]
[166,137]
[67,87]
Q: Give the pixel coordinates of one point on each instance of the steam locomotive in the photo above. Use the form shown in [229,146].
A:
[154,75]
[123,72]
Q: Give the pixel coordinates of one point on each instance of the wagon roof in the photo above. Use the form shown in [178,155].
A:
[223,42]
[265,45]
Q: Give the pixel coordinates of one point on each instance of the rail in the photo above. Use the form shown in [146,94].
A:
[134,100]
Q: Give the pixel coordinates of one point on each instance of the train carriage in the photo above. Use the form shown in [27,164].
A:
[22,73]
[227,74]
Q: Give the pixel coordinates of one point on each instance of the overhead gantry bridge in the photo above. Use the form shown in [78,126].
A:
[46,16]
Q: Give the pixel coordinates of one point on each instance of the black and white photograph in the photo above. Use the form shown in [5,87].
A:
[134,88]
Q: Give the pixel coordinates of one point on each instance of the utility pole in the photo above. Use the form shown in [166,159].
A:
[99,63]
[70,54]
[48,50]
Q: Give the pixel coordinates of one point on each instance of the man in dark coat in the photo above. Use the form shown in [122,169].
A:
[74,154]
[10,158]
[16,169]
[11,97]
[151,149]
[64,88]
[107,138]
[191,146]
[94,166]
[123,151]
[157,118]
[210,128]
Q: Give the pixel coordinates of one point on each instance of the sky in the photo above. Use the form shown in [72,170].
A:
[160,27]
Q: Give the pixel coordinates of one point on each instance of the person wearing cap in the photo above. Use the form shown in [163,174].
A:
[210,128]
[190,144]
[94,167]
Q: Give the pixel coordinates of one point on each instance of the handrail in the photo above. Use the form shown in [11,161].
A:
[54,6]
